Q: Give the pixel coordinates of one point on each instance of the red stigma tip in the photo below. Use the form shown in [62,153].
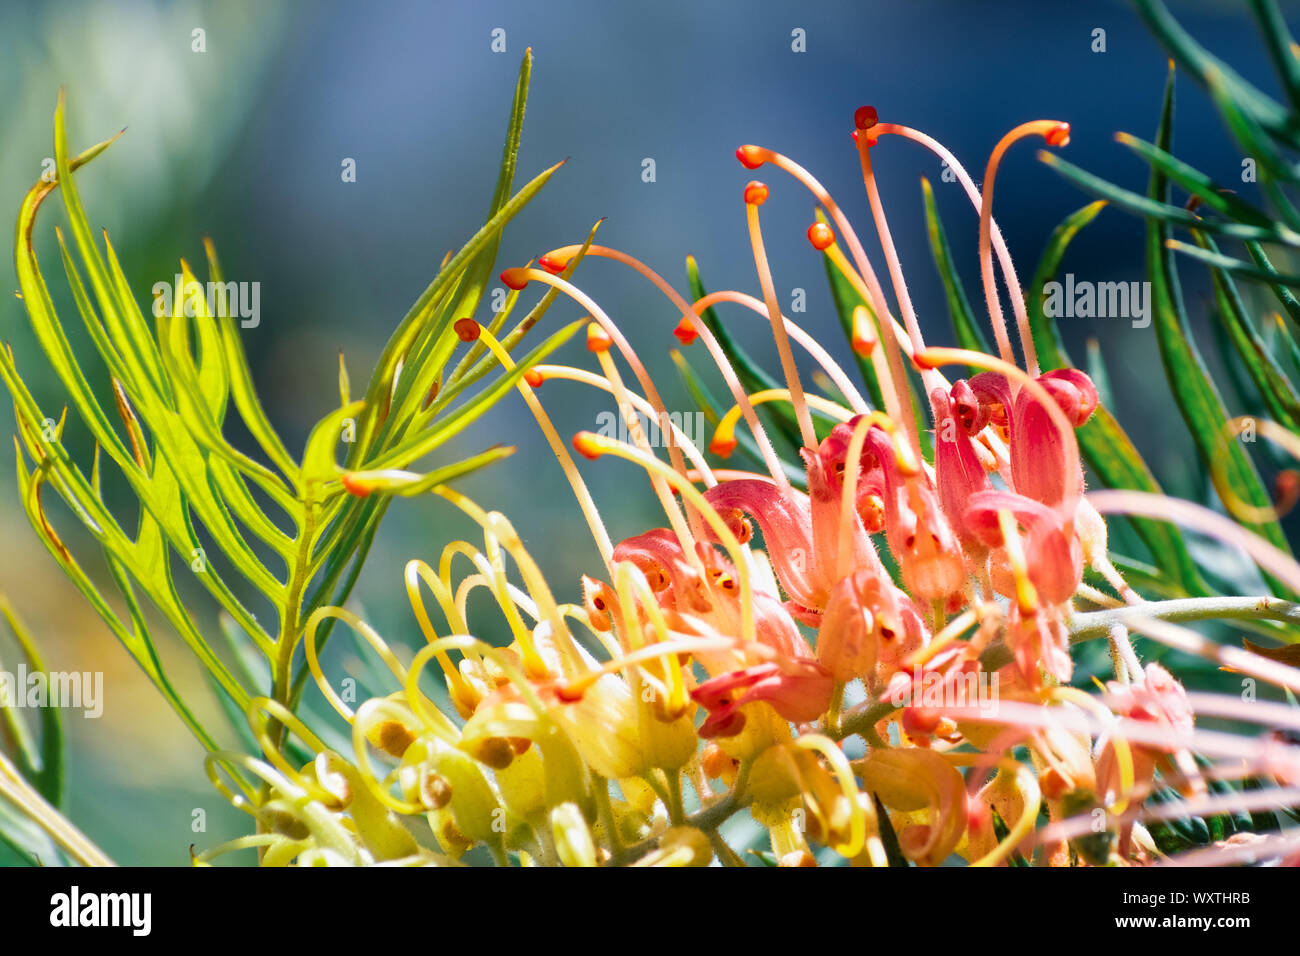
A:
[467,329]
[865,117]
[551,264]
[685,332]
[515,278]
[755,193]
[565,694]
[821,236]
[1059,135]
[534,378]
[749,157]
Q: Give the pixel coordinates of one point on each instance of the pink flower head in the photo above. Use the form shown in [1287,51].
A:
[707,611]
[798,690]
[801,533]
[919,534]
[1044,467]
[1053,557]
[869,627]
[958,417]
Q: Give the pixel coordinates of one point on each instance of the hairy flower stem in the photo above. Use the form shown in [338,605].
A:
[16,790]
[1089,625]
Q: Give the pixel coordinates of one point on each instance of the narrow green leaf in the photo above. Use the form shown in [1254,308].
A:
[1196,396]
[410,327]
[478,272]
[1270,381]
[1103,443]
[1149,208]
[969,335]
[43,767]
[1198,62]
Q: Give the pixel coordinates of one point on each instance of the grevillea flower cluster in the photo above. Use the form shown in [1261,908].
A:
[870,658]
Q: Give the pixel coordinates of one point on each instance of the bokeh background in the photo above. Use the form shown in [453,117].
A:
[243,143]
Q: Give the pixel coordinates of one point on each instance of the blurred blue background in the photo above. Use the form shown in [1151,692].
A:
[243,143]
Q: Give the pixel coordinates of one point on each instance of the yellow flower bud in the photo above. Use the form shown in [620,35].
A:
[679,846]
[573,842]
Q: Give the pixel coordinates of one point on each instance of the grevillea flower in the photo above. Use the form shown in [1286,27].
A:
[722,644]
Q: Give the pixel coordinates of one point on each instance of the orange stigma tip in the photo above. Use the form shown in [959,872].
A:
[552,264]
[515,278]
[821,236]
[587,445]
[865,117]
[467,329]
[685,332]
[534,378]
[756,193]
[1058,135]
[722,447]
[749,157]
[355,486]
[598,339]
[922,360]
[863,340]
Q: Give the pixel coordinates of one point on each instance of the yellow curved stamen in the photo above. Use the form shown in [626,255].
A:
[633,589]
[951,631]
[499,533]
[1026,593]
[382,708]
[724,436]
[844,774]
[259,708]
[463,695]
[580,491]
[258,768]
[365,631]
[1024,826]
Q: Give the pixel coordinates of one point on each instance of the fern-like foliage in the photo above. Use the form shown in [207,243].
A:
[290,529]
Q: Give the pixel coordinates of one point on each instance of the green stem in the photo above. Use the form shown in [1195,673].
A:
[1093,624]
